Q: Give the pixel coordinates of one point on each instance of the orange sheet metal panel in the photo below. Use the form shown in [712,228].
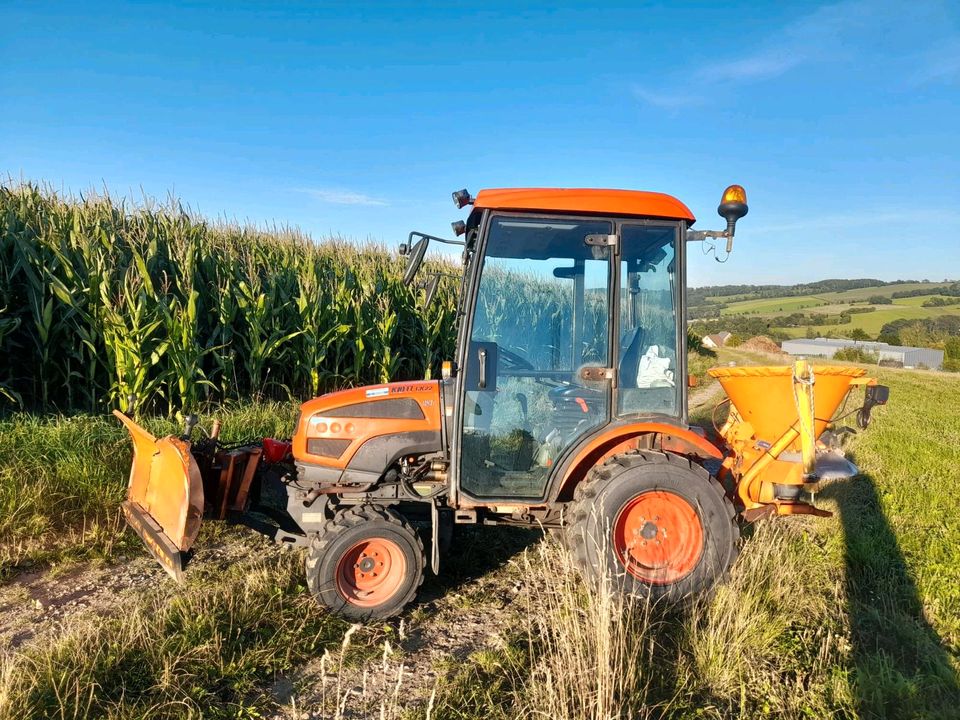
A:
[618,439]
[322,418]
[600,202]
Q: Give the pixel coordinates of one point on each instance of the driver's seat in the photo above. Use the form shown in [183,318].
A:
[572,402]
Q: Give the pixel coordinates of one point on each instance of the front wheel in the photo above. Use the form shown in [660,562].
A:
[656,523]
[366,563]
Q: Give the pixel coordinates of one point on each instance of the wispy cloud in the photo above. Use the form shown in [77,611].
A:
[838,35]
[939,64]
[340,197]
[763,65]
[669,101]
[817,36]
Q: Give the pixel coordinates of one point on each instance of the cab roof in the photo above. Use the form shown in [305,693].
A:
[579,200]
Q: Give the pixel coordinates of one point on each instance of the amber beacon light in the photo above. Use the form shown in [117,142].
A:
[733,206]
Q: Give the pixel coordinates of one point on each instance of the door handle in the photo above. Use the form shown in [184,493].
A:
[482,380]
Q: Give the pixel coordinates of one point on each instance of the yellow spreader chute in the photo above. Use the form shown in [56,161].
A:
[165,501]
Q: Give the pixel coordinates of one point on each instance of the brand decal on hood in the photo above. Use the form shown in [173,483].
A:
[378,392]
[412,388]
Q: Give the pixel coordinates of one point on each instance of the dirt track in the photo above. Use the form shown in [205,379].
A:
[468,607]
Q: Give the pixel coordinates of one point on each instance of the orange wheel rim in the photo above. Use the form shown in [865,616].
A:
[370,572]
[658,537]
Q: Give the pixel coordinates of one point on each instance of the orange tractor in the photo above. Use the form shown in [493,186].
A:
[565,407]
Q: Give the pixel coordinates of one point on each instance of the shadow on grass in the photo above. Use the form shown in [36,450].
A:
[902,667]
[474,552]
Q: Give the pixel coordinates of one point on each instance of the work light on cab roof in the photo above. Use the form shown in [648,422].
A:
[563,406]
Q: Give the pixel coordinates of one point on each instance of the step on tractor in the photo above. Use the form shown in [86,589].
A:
[564,407]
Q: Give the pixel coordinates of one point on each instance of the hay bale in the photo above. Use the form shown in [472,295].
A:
[761,343]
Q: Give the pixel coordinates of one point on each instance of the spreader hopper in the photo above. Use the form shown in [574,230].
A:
[765,396]
[777,415]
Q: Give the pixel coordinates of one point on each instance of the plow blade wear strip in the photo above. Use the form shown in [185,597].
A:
[165,495]
[159,545]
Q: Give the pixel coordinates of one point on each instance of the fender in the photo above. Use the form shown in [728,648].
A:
[622,438]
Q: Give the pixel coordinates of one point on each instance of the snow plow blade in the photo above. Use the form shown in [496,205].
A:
[165,499]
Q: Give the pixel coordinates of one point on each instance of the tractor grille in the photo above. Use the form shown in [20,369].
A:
[399,408]
[327,447]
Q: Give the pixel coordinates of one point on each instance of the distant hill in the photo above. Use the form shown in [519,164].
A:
[910,312]
[713,294]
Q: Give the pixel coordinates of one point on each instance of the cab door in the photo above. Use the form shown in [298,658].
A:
[536,369]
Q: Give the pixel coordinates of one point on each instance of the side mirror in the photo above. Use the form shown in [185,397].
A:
[416,254]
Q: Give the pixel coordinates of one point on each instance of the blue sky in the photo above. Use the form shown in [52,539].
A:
[842,120]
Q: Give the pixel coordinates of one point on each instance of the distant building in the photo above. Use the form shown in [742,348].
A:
[910,357]
[716,340]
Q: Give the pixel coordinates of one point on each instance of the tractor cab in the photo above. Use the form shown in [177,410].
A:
[572,320]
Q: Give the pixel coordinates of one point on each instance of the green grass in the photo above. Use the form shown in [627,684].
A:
[872,323]
[206,649]
[885,290]
[856,616]
[841,296]
[764,306]
[919,300]
[76,471]
[834,303]
[853,616]
[793,303]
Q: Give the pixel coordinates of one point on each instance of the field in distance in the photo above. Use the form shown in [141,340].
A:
[871,321]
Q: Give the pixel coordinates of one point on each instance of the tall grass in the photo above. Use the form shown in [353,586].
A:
[206,650]
[62,478]
[773,641]
[594,633]
[102,300]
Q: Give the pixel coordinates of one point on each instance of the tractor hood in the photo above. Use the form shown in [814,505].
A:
[351,437]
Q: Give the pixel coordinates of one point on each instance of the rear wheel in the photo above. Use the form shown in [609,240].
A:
[657,523]
[367,562]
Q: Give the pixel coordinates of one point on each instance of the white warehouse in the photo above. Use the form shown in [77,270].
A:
[826,347]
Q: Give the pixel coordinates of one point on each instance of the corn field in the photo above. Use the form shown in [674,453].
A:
[148,308]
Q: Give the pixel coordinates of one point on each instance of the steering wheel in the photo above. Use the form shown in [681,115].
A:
[514,361]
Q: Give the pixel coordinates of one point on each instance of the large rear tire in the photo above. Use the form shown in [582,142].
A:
[655,523]
[366,563]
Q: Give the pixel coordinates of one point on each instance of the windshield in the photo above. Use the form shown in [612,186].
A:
[535,273]
[542,315]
